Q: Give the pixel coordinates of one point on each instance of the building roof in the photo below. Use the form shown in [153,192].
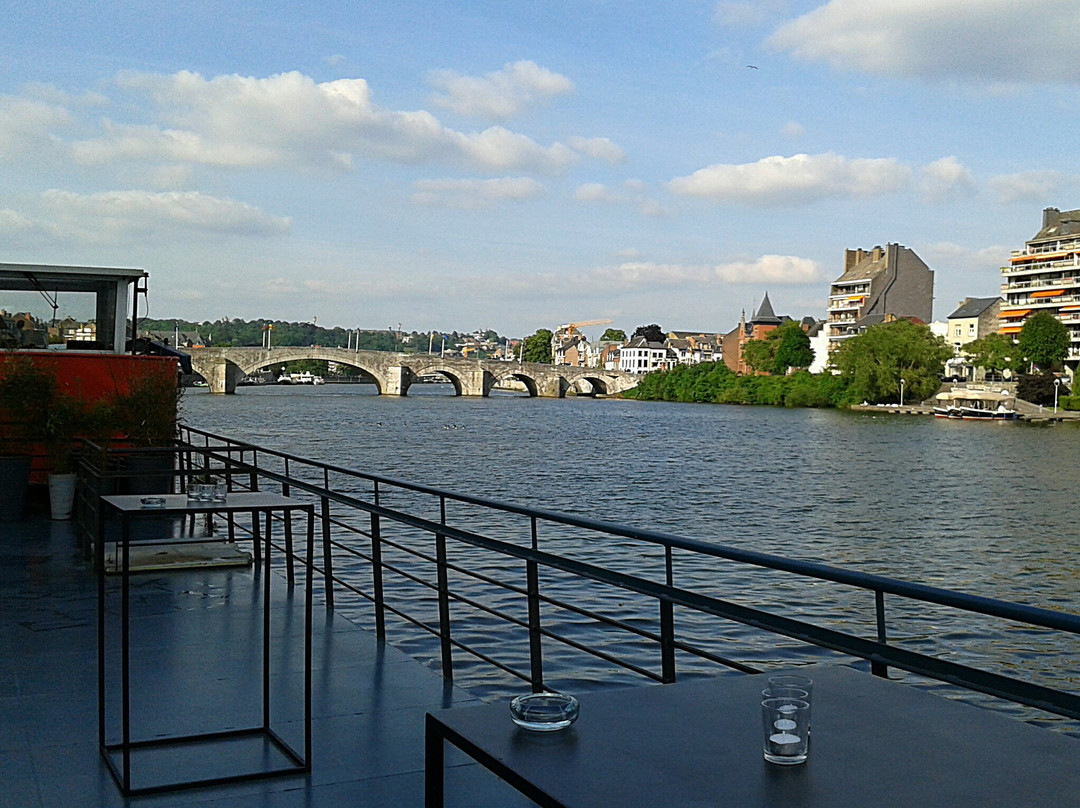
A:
[641,342]
[973,307]
[1058,223]
[867,265]
[765,314]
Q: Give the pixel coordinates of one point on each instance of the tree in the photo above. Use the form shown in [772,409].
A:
[1044,340]
[651,333]
[792,347]
[994,352]
[614,335]
[782,348]
[757,354]
[872,364]
[538,347]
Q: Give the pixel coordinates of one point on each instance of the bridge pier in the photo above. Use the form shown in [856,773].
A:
[552,386]
[221,375]
[396,380]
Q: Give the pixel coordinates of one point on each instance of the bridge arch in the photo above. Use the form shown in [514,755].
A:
[446,373]
[531,386]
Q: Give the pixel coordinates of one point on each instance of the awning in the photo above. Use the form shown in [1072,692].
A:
[1016,313]
[1010,329]
[1049,293]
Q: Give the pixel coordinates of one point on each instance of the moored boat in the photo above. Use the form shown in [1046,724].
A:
[972,404]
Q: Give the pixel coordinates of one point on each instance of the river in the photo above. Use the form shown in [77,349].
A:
[987,508]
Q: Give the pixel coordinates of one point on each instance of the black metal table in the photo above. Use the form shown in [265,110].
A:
[874,742]
[277,756]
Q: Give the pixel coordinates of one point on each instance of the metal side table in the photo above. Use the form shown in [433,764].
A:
[274,756]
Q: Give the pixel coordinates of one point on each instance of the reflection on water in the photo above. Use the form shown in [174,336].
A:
[984,508]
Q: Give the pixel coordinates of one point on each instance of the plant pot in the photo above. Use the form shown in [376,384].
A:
[61,495]
[14,480]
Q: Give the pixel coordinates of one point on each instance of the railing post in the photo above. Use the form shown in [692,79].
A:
[444,596]
[667,626]
[376,569]
[536,656]
[880,668]
[328,558]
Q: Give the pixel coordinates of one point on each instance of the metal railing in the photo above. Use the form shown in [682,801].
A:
[478,562]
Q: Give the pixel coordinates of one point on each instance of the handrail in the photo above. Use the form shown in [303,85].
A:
[1046,618]
[879,652]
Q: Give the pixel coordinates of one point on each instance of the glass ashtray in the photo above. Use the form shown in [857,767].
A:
[153,502]
[544,712]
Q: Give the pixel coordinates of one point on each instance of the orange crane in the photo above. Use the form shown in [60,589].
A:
[570,328]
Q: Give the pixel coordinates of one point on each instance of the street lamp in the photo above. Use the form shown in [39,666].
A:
[901,392]
[1057,384]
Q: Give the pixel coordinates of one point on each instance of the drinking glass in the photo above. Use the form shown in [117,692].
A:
[785,723]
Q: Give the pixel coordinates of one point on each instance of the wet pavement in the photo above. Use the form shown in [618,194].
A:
[194,653]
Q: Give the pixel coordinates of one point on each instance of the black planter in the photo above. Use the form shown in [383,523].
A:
[14,481]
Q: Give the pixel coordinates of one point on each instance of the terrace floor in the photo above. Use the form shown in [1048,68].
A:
[194,636]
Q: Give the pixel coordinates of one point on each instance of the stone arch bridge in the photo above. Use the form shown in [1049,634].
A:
[394,373]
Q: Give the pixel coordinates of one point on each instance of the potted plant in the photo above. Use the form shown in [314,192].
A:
[146,416]
[27,391]
[67,421]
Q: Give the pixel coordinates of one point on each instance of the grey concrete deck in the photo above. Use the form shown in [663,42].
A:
[193,633]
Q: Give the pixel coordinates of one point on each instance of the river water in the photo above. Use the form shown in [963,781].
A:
[986,508]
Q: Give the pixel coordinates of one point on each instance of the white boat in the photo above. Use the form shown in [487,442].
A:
[318,380]
[973,404]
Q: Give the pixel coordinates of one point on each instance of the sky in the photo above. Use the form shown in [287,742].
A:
[515,166]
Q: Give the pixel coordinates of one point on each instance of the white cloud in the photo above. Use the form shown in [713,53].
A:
[291,120]
[499,95]
[633,193]
[599,148]
[1031,186]
[983,260]
[792,180]
[776,269]
[595,192]
[793,130]
[472,194]
[771,269]
[945,179]
[117,216]
[27,125]
[983,41]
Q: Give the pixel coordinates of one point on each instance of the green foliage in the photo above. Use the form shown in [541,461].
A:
[613,335]
[994,352]
[782,348]
[1069,402]
[1044,340]
[651,332]
[872,364]
[758,355]
[146,413]
[792,347]
[714,382]
[1038,388]
[538,347]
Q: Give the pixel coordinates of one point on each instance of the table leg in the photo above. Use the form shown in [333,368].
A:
[433,764]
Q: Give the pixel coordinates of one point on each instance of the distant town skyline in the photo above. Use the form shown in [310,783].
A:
[518,166]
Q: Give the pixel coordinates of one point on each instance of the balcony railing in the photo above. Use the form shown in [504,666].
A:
[467,572]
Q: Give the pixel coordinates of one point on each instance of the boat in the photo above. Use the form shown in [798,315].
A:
[974,404]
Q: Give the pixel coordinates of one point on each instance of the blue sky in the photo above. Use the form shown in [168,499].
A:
[521,165]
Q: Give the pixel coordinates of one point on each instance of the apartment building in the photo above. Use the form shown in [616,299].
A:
[641,356]
[974,318]
[877,285]
[1045,276]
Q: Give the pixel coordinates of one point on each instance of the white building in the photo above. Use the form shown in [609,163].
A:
[640,356]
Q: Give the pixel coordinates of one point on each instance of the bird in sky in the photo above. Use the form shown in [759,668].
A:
[753,67]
